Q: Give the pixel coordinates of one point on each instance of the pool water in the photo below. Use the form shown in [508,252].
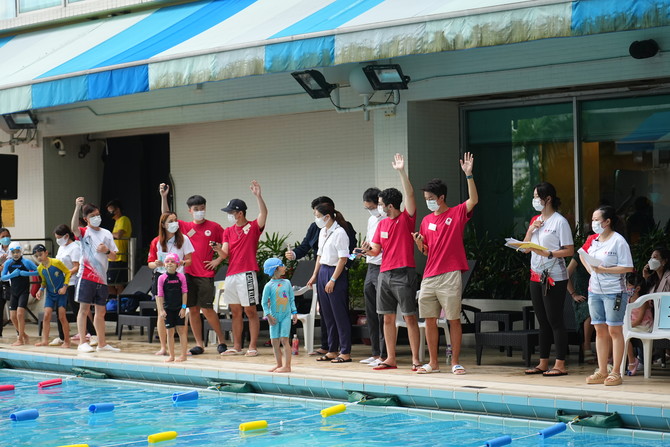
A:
[213,419]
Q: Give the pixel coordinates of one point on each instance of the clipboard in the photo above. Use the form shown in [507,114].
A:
[521,245]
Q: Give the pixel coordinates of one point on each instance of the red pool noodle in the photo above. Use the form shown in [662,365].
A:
[48,383]
[6,387]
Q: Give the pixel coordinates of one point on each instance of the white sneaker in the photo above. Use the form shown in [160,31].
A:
[56,342]
[94,340]
[368,360]
[108,348]
[85,347]
[375,362]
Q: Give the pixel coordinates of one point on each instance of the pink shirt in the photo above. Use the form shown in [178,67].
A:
[242,247]
[395,238]
[201,234]
[443,234]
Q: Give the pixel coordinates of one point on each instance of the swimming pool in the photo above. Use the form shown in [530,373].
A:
[213,419]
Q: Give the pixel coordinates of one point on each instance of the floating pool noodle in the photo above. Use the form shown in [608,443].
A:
[24,415]
[48,383]
[163,436]
[333,410]
[101,408]
[499,441]
[553,430]
[253,425]
[75,445]
[6,387]
[183,397]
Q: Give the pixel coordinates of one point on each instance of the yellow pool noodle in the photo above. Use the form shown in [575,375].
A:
[333,410]
[75,445]
[253,425]
[163,436]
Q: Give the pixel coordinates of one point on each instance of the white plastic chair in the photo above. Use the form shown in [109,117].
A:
[220,308]
[660,328]
[307,321]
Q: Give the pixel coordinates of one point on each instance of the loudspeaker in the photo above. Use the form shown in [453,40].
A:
[9,173]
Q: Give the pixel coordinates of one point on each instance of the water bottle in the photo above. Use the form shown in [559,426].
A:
[295,344]
[447,353]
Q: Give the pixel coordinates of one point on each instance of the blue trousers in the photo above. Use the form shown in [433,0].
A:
[335,310]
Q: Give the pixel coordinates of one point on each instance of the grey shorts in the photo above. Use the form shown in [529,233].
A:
[397,288]
[89,292]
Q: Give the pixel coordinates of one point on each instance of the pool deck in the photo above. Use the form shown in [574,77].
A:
[497,388]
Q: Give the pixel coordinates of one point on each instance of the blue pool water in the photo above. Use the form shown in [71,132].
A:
[141,410]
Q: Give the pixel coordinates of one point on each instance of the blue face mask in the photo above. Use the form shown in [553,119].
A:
[5,240]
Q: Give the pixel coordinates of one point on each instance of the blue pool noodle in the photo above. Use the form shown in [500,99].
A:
[553,430]
[101,408]
[183,397]
[24,415]
[499,441]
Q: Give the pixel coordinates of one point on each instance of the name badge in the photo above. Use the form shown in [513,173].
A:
[384,235]
[432,227]
[190,233]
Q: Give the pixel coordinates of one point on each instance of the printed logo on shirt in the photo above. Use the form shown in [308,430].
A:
[246,228]
[432,227]
[448,221]
[384,235]
[208,233]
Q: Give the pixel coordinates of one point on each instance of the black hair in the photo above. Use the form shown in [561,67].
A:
[437,187]
[116,203]
[62,230]
[391,196]
[88,209]
[371,195]
[329,210]
[663,251]
[5,230]
[322,199]
[196,200]
[636,279]
[608,212]
[546,189]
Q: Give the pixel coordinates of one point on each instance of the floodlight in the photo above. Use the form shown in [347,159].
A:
[314,83]
[386,77]
[20,120]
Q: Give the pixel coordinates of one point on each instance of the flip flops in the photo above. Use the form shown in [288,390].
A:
[554,373]
[324,358]
[231,351]
[426,369]
[339,359]
[251,353]
[383,366]
[535,370]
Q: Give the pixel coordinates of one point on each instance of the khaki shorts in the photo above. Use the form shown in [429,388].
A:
[441,292]
[200,291]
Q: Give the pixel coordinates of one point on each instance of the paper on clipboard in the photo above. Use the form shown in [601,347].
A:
[594,262]
[519,245]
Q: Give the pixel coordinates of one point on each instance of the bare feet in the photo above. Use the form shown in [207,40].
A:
[18,342]
[283,369]
[26,339]
[65,345]
[42,343]
[169,359]
[274,369]
[181,358]
[161,352]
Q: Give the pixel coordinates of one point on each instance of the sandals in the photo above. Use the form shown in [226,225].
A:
[613,379]
[426,369]
[632,368]
[339,359]
[325,358]
[596,378]
[535,370]
[457,370]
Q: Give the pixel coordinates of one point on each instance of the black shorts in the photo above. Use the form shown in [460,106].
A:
[20,300]
[200,291]
[89,292]
[117,272]
[172,319]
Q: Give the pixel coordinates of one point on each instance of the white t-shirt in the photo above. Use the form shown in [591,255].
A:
[554,234]
[186,248]
[95,264]
[333,244]
[614,252]
[373,221]
[69,254]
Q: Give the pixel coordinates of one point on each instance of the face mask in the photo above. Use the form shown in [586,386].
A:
[630,291]
[95,221]
[320,221]
[173,227]
[231,219]
[5,240]
[537,204]
[654,264]
[381,210]
[597,227]
[432,205]
[61,241]
[199,215]
[374,212]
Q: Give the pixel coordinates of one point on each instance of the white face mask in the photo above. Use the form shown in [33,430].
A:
[231,219]
[320,221]
[654,264]
[172,227]
[537,204]
[375,212]
[199,215]
[432,205]
[597,227]
[381,210]
[95,221]
[61,241]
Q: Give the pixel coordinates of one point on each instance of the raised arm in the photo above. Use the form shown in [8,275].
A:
[263,213]
[74,224]
[466,165]
[410,203]
[163,190]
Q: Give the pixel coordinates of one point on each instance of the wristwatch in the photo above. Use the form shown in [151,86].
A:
[551,255]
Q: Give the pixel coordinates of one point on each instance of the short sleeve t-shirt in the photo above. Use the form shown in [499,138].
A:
[201,235]
[395,238]
[614,252]
[123,223]
[156,252]
[171,288]
[68,255]
[443,234]
[242,247]
[373,221]
[554,234]
[94,263]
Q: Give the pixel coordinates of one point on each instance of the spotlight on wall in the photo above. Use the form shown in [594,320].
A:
[643,49]
[20,120]
[314,83]
[386,77]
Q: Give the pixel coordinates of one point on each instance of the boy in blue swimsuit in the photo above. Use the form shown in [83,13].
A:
[55,279]
[17,270]
[171,305]
[279,307]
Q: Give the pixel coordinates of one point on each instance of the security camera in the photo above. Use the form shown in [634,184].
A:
[59,145]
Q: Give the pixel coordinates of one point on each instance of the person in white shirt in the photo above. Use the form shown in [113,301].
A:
[549,277]
[607,304]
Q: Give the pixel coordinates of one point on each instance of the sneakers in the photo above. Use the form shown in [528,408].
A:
[375,362]
[94,340]
[85,347]
[56,342]
[107,348]
[368,360]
